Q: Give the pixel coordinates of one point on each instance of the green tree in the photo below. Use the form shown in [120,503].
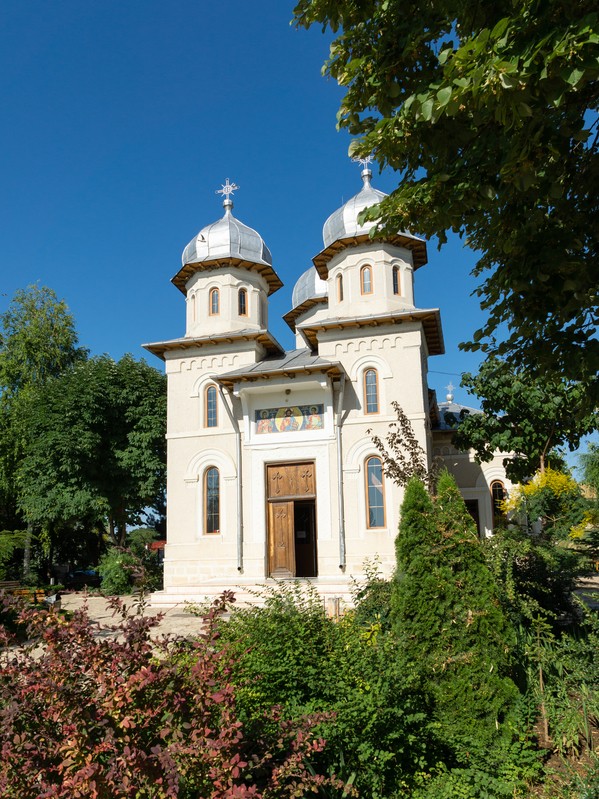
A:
[38,342]
[456,641]
[488,111]
[96,446]
[523,415]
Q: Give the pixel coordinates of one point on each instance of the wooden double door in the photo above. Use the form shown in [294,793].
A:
[291,506]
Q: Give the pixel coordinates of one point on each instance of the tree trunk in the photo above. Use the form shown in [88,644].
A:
[27,554]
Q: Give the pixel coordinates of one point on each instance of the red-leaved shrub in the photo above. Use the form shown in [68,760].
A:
[110,713]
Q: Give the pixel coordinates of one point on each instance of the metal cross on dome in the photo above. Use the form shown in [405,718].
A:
[227,189]
[364,161]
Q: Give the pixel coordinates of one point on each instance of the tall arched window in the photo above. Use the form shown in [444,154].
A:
[214,302]
[366,280]
[192,303]
[242,302]
[211,407]
[396,280]
[371,391]
[339,288]
[211,500]
[375,493]
[498,495]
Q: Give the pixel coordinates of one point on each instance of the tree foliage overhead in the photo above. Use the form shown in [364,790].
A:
[523,415]
[489,112]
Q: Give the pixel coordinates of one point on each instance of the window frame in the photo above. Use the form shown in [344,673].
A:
[214,292]
[371,370]
[208,422]
[242,293]
[396,282]
[366,270]
[496,513]
[369,507]
[206,489]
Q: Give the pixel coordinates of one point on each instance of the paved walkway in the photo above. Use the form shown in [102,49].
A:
[174,620]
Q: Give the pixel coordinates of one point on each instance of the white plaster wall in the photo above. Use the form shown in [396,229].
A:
[382,258]
[228,281]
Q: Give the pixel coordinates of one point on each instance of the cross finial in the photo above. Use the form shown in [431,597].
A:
[226,190]
[366,171]
[364,161]
[449,392]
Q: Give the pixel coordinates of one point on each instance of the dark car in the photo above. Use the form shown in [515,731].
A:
[83,578]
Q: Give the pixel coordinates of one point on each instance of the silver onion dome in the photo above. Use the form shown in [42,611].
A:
[343,223]
[308,287]
[227,238]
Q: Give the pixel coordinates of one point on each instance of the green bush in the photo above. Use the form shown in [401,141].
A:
[120,569]
[289,653]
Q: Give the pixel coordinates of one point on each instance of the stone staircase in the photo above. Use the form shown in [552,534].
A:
[336,594]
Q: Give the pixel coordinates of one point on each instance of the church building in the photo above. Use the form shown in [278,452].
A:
[272,472]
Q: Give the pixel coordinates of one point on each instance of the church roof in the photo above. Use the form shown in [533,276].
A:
[430,319]
[263,337]
[450,414]
[290,364]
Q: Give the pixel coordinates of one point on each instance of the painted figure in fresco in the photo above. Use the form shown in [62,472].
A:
[266,424]
[314,421]
[288,422]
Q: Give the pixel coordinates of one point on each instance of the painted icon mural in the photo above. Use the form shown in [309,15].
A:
[289,419]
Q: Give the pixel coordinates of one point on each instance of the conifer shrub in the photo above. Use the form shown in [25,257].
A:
[453,635]
[111,713]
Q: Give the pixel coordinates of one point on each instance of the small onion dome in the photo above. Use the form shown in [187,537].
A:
[227,238]
[342,228]
[309,286]
[227,242]
[310,290]
[343,223]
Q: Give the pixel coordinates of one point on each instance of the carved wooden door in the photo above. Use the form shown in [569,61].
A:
[285,483]
[281,543]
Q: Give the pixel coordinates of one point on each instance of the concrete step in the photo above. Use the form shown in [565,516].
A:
[336,594]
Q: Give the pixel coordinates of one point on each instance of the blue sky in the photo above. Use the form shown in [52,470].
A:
[121,120]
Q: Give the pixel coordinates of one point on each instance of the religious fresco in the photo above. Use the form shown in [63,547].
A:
[289,419]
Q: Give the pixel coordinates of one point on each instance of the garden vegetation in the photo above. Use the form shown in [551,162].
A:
[460,678]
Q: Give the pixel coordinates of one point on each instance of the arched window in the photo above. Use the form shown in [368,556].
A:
[211,500]
[371,391]
[211,408]
[339,288]
[396,280]
[263,312]
[375,493]
[498,495]
[192,302]
[366,280]
[214,302]
[242,302]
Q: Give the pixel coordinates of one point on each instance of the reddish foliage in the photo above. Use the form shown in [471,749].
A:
[109,713]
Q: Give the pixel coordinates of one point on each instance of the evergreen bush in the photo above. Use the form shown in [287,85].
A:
[456,640]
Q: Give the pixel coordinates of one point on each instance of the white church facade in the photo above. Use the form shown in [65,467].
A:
[272,472]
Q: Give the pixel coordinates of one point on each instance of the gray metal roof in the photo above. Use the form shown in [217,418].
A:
[450,413]
[227,238]
[308,287]
[265,338]
[343,223]
[292,361]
